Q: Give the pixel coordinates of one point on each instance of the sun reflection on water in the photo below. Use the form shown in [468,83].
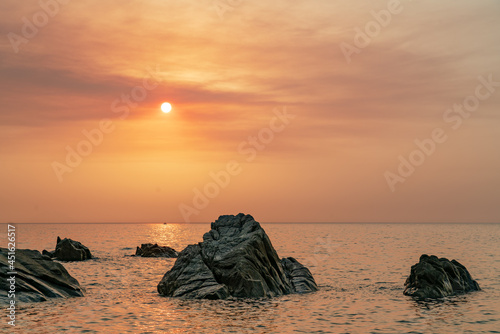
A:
[165,234]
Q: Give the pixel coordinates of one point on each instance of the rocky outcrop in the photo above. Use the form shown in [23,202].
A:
[50,254]
[37,277]
[150,250]
[191,278]
[236,258]
[69,250]
[299,276]
[432,277]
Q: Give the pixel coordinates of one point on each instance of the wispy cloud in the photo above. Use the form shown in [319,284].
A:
[224,77]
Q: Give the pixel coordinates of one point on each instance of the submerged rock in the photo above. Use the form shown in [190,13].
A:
[150,250]
[69,250]
[436,278]
[37,277]
[236,258]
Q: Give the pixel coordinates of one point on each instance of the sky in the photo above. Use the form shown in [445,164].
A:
[292,111]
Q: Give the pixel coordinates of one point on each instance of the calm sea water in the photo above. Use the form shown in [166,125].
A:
[360,269]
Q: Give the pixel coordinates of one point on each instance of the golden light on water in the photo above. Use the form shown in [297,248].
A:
[167,235]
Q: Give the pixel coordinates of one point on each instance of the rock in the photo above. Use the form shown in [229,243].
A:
[150,250]
[70,250]
[236,258]
[300,277]
[49,254]
[37,278]
[436,278]
[191,278]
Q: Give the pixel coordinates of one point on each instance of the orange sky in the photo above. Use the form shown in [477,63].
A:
[105,67]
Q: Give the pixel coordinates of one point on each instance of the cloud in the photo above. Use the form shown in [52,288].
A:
[224,78]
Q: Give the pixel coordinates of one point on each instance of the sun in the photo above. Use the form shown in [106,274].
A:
[166,107]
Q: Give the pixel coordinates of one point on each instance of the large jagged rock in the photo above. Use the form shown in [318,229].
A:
[150,250]
[37,277]
[236,258]
[432,277]
[191,278]
[69,250]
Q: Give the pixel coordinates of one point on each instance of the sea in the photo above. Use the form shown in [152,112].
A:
[360,270]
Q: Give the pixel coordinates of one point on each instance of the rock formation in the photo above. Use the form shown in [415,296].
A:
[37,278]
[299,276]
[69,250]
[236,258]
[150,250]
[436,278]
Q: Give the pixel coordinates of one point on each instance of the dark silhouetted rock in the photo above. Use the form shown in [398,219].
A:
[150,250]
[70,250]
[38,278]
[436,278]
[236,258]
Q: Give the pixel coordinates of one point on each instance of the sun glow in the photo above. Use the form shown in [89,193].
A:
[166,107]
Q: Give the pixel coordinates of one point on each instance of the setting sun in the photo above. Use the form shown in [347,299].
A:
[166,107]
[330,166]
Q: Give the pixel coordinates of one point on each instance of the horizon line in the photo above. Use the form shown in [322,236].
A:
[206,222]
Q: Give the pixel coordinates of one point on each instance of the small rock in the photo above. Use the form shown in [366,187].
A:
[432,277]
[49,254]
[70,250]
[150,250]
